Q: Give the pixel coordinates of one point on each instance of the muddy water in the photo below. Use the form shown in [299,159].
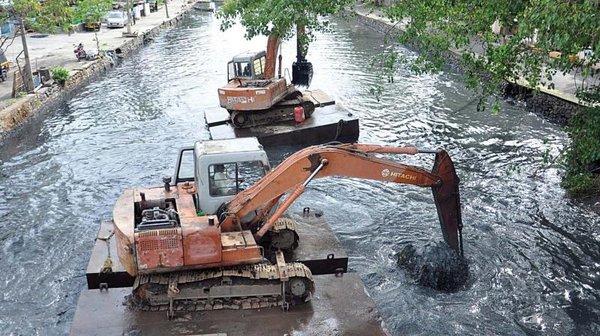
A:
[534,254]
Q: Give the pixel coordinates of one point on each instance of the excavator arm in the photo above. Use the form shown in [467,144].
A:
[353,161]
[271,58]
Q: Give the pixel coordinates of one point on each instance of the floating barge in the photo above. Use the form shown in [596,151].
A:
[329,122]
[340,305]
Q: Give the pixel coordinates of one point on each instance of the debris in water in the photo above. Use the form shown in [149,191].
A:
[436,266]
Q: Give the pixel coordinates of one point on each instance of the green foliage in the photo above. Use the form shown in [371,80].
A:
[584,153]
[279,17]
[92,10]
[50,16]
[527,34]
[60,74]
[22,7]
[53,16]
[530,30]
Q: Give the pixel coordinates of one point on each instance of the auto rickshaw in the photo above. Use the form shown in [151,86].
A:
[92,25]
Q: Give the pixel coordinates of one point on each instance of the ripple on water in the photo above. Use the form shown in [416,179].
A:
[533,253]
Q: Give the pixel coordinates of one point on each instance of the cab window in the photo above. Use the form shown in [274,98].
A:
[228,179]
[185,171]
[259,69]
[230,71]
[243,69]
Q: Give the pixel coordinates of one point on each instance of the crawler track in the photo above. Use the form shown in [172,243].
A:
[283,111]
[242,287]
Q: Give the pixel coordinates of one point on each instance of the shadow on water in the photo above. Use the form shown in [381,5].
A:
[533,254]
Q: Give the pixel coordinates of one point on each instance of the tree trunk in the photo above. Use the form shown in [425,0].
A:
[128,6]
[26,74]
[167,9]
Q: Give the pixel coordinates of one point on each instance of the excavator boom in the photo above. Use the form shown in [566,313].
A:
[354,161]
[271,58]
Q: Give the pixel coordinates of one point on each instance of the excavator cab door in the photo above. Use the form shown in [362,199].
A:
[184,168]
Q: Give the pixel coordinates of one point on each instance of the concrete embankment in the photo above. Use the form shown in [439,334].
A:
[17,111]
[557,105]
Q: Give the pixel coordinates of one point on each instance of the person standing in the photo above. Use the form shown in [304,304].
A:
[132,11]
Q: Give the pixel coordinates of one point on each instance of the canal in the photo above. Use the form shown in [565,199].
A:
[534,254]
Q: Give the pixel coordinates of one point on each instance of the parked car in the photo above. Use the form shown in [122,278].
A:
[116,19]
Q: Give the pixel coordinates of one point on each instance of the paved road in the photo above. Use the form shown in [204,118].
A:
[57,50]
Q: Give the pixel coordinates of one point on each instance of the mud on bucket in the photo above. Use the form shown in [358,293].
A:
[435,265]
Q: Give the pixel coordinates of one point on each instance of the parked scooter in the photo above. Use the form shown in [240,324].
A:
[81,54]
[4,66]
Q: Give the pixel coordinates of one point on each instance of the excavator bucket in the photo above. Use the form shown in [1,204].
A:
[447,200]
[302,72]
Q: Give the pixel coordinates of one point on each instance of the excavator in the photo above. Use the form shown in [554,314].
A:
[199,241]
[254,95]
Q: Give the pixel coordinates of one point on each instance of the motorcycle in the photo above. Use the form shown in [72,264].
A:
[81,54]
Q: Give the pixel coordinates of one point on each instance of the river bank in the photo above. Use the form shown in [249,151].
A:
[557,105]
[57,50]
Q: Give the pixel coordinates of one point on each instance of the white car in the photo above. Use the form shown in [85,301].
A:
[116,19]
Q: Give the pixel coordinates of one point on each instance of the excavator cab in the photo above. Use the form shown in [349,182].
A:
[221,169]
[247,66]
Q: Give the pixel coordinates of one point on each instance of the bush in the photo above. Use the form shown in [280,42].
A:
[60,74]
[583,155]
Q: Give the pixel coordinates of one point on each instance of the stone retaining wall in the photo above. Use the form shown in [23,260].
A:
[47,99]
[549,107]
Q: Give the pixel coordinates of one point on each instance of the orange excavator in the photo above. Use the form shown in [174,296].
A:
[255,95]
[199,242]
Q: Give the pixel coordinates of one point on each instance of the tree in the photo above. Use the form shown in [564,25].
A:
[92,10]
[500,40]
[20,11]
[50,16]
[279,17]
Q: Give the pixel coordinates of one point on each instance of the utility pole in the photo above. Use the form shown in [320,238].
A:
[26,75]
[167,8]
